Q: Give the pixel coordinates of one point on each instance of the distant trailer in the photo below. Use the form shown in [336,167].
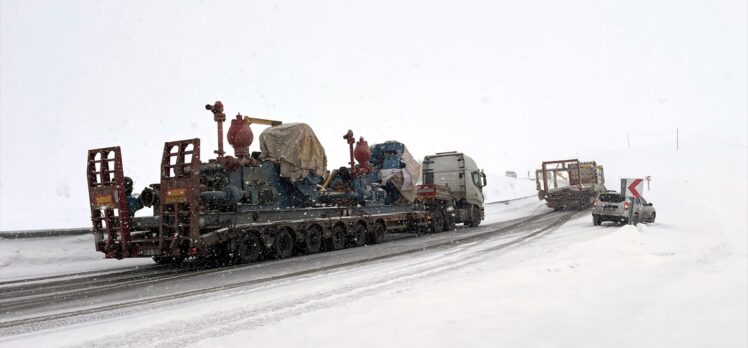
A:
[574,184]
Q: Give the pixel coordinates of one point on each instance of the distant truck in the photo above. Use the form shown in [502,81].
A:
[455,174]
[575,184]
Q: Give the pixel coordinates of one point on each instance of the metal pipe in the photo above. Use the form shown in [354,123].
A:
[349,136]
[219,117]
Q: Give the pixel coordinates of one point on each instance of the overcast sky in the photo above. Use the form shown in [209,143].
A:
[510,83]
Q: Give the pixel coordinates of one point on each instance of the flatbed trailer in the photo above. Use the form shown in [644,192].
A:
[179,232]
[581,182]
[187,221]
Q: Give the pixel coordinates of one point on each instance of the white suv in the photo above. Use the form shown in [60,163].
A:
[612,206]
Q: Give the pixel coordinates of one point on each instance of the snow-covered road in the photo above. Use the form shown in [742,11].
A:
[682,281]
[66,297]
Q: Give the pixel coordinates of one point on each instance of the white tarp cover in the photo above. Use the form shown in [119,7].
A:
[404,179]
[296,148]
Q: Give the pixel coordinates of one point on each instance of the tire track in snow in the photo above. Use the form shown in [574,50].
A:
[58,319]
[224,323]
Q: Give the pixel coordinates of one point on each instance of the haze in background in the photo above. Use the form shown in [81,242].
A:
[510,83]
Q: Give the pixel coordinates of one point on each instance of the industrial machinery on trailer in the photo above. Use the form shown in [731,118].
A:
[575,184]
[278,201]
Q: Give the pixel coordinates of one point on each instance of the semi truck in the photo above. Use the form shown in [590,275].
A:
[279,201]
[460,176]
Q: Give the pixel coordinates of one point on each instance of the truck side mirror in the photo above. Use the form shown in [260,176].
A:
[483,175]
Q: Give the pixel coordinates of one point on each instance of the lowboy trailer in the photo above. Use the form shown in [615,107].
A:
[279,201]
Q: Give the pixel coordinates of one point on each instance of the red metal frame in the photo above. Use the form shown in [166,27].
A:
[108,202]
[562,163]
[180,187]
[427,191]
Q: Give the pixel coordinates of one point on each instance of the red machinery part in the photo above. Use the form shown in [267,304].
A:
[362,153]
[240,137]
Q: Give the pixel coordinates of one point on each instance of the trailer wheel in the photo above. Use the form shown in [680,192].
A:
[313,242]
[359,235]
[283,244]
[449,222]
[337,239]
[437,221]
[379,230]
[250,248]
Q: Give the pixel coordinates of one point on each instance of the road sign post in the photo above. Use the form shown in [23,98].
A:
[632,189]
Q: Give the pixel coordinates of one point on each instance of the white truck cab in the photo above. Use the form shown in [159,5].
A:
[464,179]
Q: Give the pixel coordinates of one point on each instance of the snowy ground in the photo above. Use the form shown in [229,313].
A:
[500,188]
[39,257]
[682,281]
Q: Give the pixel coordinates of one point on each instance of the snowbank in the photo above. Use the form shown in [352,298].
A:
[501,188]
[39,257]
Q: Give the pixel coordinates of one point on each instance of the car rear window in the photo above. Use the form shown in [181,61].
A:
[611,198]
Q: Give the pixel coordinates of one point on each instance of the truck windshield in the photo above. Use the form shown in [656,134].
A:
[611,198]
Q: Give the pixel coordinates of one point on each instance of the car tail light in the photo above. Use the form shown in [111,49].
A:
[625,205]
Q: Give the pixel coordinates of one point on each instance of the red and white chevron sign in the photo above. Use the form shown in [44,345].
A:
[633,187]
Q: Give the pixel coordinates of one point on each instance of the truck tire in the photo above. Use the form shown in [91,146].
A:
[437,221]
[379,230]
[474,220]
[359,235]
[449,222]
[337,239]
[283,244]
[313,242]
[250,248]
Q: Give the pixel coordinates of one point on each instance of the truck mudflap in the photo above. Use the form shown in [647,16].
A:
[180,184]
[108,202]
